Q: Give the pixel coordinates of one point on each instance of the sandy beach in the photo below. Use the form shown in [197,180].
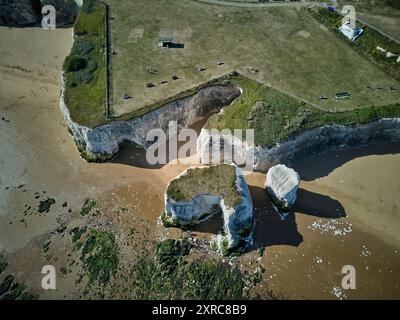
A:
[348,208]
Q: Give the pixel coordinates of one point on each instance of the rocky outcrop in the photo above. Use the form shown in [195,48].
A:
[281,185]
[29,12]
[103,142]
[313,141]
[238,219]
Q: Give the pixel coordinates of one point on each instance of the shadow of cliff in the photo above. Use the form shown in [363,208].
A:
[321,164]
[271,230]
[133,155]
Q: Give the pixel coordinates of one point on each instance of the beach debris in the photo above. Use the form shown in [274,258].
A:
[220,63]
[200,69]
[281,185]
[365,251]
[323,98]
[333,226]
[338,293]
[318,260]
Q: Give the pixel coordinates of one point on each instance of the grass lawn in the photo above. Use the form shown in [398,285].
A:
[275,116]
[85,68]
[382,14]
[290,50]
[284,48]
[214,180]
[366,44]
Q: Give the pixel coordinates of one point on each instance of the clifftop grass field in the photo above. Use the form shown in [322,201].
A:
[275,116]
[283,48]
[290,50]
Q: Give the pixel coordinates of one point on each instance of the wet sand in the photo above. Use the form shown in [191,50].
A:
[347,210]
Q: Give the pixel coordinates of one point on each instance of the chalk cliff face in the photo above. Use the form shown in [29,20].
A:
[238,221]
[28,12]
[103,142]
[329,137]
[281,185]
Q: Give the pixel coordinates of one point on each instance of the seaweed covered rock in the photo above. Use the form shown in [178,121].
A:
[170,251]
[199,193]
[281,185]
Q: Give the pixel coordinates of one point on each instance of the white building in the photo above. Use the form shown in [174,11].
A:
[350,32]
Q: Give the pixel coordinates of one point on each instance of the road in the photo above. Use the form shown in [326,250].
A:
[362,21]
[259,5]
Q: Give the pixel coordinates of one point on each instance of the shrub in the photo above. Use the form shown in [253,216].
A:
[74,63]
[82,47]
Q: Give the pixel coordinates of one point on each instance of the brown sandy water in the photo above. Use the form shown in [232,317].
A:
[347,210]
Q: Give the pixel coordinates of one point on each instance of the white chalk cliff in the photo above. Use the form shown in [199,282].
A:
[238,220]
[313,141]
[281,185]
[103,142]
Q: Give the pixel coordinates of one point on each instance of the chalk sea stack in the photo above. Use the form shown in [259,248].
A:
[199,193]
[281,185]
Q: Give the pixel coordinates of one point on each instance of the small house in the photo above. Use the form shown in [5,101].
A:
[349,32]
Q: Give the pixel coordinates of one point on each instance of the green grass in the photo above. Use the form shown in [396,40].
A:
[268,39]
[85,93]
[366,44]
[275,116]
[215,180]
